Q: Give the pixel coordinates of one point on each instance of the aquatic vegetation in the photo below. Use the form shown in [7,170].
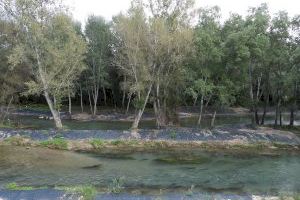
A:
[97,143]
[117,185]
[86,192]
[15,186]
[56,143]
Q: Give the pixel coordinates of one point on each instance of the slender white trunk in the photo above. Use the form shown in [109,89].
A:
[212,124]
[201,110]
[128,104]
[90,101]
[81,101]
[138,117]
[70,104]
[54,112]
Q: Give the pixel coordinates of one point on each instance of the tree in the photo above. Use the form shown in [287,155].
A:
[171,42]
[207,58]
[133,58]
[98,35]
[49,44]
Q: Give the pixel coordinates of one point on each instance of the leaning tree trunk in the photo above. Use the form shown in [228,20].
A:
[54,112]
[138,117]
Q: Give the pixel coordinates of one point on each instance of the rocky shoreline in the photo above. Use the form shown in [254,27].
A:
[238,134]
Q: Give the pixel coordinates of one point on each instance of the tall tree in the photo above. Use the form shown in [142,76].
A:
[49,43]
[97,32]
[133,58]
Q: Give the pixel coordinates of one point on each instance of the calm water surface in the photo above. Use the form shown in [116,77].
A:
[207,172]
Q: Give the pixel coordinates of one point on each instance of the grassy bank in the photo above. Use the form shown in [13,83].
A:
[98,145]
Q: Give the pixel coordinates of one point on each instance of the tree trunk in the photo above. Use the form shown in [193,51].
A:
[256,116]
[293,106]
[81,101]
[212,124]
[292,116]
[253,118]
[265,110]
[54,112]
[138,117]
[70,104]
[277,112]
[280,116]
[195,101]
[95,101]
[128,103]
[90,102]
[123,99]
[201,110]
[104,95]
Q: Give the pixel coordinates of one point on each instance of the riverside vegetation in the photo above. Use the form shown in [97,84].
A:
[151,56]
[149,62]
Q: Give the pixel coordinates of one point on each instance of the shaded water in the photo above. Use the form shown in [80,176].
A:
[207,172]
[35,122]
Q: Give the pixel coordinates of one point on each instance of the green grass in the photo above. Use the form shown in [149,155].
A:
[56,143]
[97,143]
[117,142]
[15,186]
[173,135]
[117,185]
[87,192]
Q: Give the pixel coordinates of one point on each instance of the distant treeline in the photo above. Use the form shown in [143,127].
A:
[154,55]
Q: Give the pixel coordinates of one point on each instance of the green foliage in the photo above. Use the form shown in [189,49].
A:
[97,143]
[117,142]
[56,143]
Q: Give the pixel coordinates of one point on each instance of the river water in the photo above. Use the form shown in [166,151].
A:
[205,172]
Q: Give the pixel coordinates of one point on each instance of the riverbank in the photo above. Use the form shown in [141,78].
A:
[238,138]
[52,194]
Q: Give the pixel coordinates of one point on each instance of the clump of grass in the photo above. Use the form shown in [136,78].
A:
[18,141]
[173,135]
[97,143]
[117,142]
[117,185]
[15,186]
[86,192]
[56,143]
